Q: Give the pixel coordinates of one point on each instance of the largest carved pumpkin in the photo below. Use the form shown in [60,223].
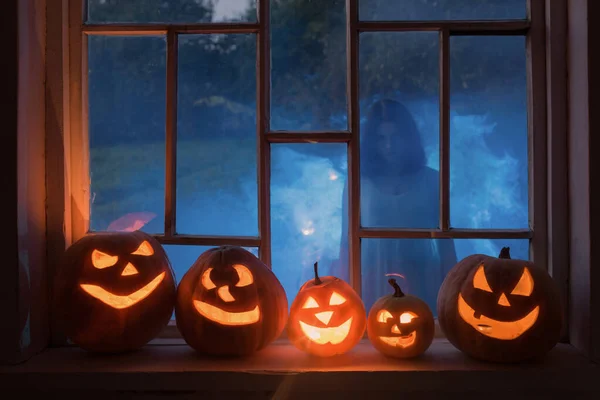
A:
[114,291]
[499,309]
[230,303]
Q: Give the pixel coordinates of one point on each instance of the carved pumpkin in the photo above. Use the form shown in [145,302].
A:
[115,291]
[400,325]
[327,317]
[499,309]
[230,303]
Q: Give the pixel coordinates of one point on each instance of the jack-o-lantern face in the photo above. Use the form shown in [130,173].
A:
[497,329]
[101,260]
[116,291]
[327,317]
[500,309]
[230,303]
[400,325]
[217,314]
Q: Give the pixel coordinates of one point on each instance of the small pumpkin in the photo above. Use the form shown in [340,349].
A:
[400,325]
[327,317]
[230,303]
[115,291]
[500,309]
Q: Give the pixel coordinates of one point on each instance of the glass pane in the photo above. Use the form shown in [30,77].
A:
[307,183]
[308,59]
[216,144]
[172,11]
[488,133]
[420,265]
[183,257]
[127,132]
[399,104]
[414,10]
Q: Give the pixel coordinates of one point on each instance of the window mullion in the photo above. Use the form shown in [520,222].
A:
[263,74]
[444,129]
[352,87]
[171,135]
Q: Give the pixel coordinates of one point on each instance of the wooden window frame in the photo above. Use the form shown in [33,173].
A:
[69,198]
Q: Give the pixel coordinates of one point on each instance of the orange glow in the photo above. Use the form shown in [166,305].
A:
[145,249]
[503,301]
[324,316]
[206,281]
[102,260]
[406,317]
[383,316]
[310,303]
[496,329]
[225,295]
[525,285]
[336,299]
[227,318]
[129,270]
[480,281]
[244,274]
[120,302]
[333,335]
[399,341]
[395,329]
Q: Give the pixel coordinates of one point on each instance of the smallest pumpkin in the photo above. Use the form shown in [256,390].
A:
[400,325]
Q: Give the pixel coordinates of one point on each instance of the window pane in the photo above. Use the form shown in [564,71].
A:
[422,263]
[488,133]
[127,132]
[308,58]
[183,257]
[216,145]
[172,11]
[399,80]
[307,182]
[413,10]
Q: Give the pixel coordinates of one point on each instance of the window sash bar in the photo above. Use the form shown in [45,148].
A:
[263,75]
[309,137]
[171,135]
[352,90]
[159,29]
[444,177]
[201,240]
[402,233]
[492,27]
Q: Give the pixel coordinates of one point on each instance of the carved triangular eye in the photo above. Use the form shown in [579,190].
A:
[144,249]
[102,260]
[336,299]
[310,303]
[525,285]
[480,281]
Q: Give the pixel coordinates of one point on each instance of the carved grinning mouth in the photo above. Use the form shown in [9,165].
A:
[227,318]
[493,328]
[120,302]
[333,335]
[400,341]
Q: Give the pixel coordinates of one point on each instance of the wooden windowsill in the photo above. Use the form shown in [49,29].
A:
[168,365]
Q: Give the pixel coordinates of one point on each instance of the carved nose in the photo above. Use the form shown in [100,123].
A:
[395,329]
[129,270]
[324,316]
[225,295]
[503,301]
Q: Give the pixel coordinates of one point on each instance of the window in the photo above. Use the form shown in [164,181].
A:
[274,126]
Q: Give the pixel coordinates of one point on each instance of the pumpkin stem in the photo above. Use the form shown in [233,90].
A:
[505,253]
[397,291]
[317,279]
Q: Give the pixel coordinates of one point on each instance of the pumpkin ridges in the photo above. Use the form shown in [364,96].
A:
[96,326]
[534,342]
[210,337]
